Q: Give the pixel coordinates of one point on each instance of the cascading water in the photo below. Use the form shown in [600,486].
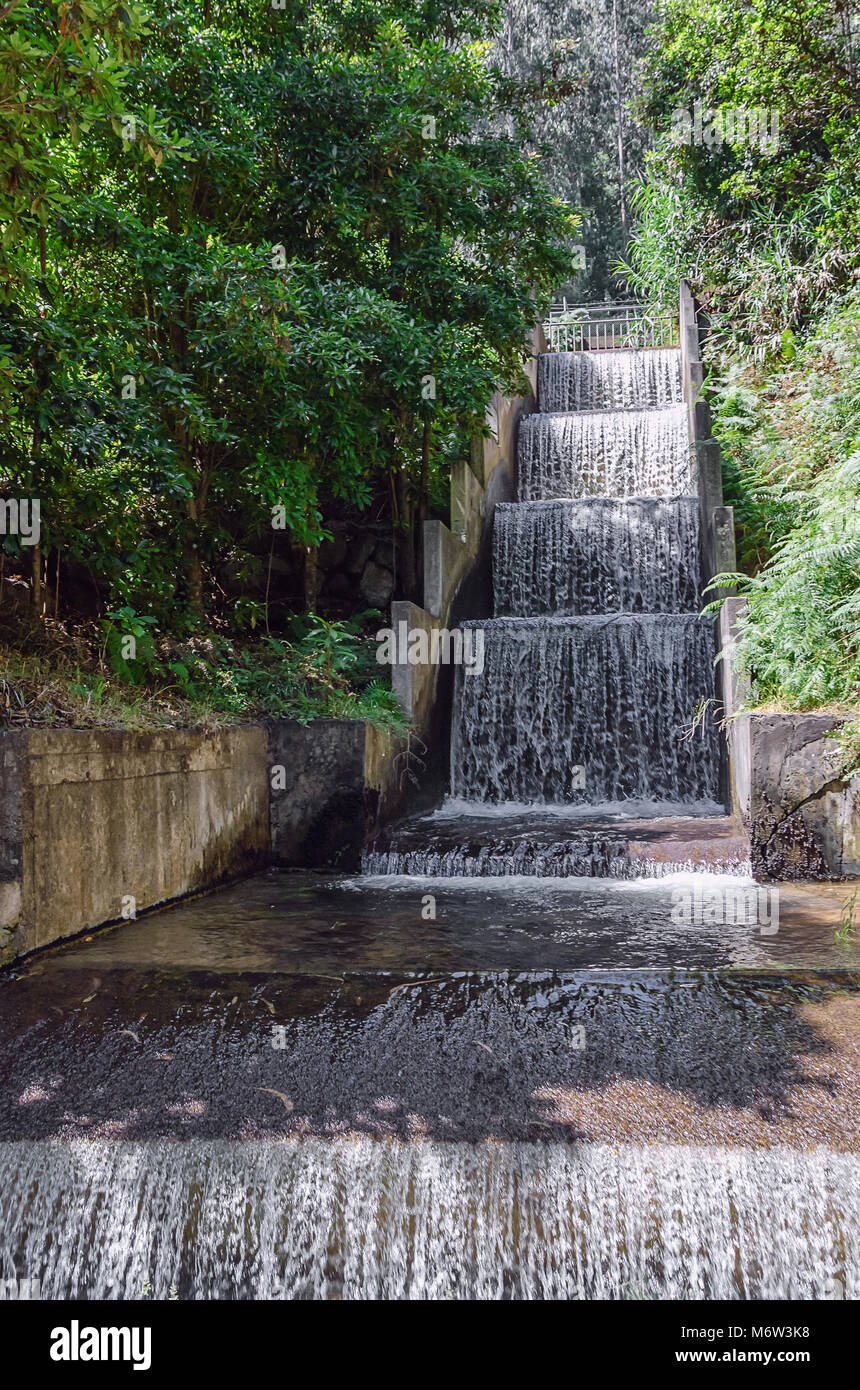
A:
[628,453]
[356,1218]
[587,710]
[609,380]
[573,558]
[596,667]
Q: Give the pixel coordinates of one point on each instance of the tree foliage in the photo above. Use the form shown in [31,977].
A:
[767,231]
[595,141]
[262,261]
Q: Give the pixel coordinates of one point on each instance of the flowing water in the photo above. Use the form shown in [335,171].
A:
[534,1050]
[609,380]
[573,558]
[625,453]
[357,1218]
[588,710]
[597,669]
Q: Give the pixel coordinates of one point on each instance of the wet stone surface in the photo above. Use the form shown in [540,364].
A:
[659,1056]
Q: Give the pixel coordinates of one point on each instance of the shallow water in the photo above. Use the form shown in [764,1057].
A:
[319,923]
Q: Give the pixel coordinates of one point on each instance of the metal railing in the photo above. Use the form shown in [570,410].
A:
[604,327]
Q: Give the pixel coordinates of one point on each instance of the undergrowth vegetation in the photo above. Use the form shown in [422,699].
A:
[53,676]
[791,444]
[768,232]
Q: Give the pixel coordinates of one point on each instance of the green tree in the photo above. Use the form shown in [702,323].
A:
[767,229]
[256,269]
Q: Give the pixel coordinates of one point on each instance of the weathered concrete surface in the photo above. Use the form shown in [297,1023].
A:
[452,553]
[341,779]
[105,817]
[735,691]
[12,757]
[804,818]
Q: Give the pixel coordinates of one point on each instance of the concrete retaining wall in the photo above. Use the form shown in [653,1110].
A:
[341,779]
[450,553]
[786,782]
[804,817]
[98,823]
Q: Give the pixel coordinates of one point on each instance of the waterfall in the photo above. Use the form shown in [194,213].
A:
[591,856]
[609,380]
[629,453]
[356,1218]
[597,685]
[587,710]
[600,556]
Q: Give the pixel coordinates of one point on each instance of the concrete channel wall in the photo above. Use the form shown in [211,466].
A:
[787,782]
[97,825]
[451,552]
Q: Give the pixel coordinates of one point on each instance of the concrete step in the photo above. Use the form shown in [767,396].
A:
[547,844]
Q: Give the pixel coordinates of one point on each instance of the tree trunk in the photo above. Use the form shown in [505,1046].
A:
[196,511]
[311,578]
[426,439]
[37,578]
[618,120]
[406,538]
[195,584]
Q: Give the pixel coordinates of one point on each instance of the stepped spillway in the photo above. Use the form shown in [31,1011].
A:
[587,711]
[595,695]
[572,558]
[625,453]
[623,380]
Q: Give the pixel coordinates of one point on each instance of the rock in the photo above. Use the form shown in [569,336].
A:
[333,553]
[384,554]
[359,552]
[377,585]
[802,811]
[340,586]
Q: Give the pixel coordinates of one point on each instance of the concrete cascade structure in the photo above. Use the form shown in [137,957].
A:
[97,824]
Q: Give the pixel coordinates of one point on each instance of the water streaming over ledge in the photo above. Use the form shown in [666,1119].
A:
[593,669]
[587,710]
[609,380]
[355,1218]
[596,668]
[625,453]
[574,558]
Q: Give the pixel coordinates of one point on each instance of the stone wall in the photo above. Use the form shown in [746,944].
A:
[92,819]
[356,562]
[803,816]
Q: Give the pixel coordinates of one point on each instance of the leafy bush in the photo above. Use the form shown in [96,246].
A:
[768,236]
[791,443]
